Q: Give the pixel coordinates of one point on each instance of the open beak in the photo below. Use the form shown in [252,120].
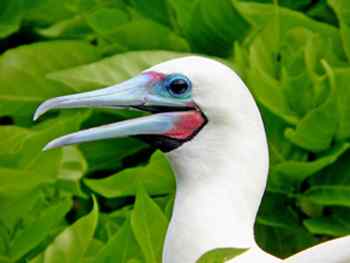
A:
[178,122]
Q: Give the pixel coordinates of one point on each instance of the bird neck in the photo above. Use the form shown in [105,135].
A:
[220,183]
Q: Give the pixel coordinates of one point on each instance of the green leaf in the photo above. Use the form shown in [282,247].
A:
[203,18]
[341,82]
[122,247]
[240,60]
[10,17]
[18,206]
[25,165]
[220,255]
[16,181]
[317,129]
[300,4]
[332,187]
[135,35]
[275,211]
[149,225]
[319,48]
[280,148]
[72,243]
[321,11]
[293,173]
[109,154]
[263,74]
[277,227]
[94,248]
[34,158]
[315,132]
[261,14]
[43,12]
[335,224]
[14,138]
[329,195]
[269,93]
[81,6]
[157,10]
[296,81]
[36,232]
[283,242]
[168,210]
[342,9]
[22,148]
[295,4]
[105,20]
[72,168]
[111,70]
[74,27]
[23,70]
[30,220]
[181,13]
[156,177]
[284,86]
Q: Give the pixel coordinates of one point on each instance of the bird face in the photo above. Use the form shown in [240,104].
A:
[167,92]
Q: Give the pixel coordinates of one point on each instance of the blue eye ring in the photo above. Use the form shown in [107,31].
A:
[178,85]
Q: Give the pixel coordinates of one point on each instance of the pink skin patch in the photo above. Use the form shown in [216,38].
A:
[187,124]
[155,76]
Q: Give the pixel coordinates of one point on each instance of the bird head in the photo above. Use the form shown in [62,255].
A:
[206,120]
[183,95]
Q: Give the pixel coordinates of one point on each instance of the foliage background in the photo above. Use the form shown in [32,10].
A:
[77,204]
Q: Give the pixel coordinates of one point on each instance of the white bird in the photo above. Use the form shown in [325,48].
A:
[207,122]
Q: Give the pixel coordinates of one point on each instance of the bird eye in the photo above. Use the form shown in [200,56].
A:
[178,85]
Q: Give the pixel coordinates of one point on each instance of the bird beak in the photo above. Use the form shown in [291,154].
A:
[138,92]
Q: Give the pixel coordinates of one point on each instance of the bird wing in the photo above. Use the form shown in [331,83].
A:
[255,255]
[334,251]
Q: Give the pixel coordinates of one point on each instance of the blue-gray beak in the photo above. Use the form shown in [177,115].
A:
[139,92]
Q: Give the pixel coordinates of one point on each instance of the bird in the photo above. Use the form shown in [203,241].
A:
[206,121]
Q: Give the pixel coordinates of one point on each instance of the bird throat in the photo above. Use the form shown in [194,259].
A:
[219,187]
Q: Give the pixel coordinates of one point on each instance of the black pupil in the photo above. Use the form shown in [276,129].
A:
[178,86]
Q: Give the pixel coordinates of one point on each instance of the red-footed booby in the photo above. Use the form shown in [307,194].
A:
[209,125]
